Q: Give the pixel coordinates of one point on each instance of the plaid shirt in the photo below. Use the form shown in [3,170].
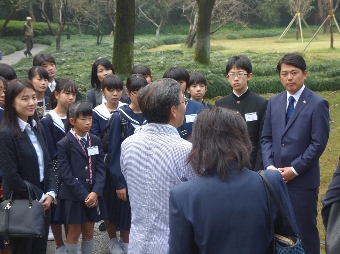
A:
[153,162]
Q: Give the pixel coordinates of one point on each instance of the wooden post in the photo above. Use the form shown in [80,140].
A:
[287,28]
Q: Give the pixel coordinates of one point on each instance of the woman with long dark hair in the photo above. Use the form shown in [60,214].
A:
[24,156]
[225,209]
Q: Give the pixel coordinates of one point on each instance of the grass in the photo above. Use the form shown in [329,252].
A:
[78,53]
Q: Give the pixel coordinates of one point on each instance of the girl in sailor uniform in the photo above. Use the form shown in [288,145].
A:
[82,175]
[61,98]
[112,90]
[119,209]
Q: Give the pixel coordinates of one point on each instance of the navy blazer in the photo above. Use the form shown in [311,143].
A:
[208,215]
[301,142]
[332,196]
[75,174]
[19,162]
[192,109]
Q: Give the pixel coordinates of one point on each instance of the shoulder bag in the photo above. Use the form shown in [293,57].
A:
[22,217]
[281,244]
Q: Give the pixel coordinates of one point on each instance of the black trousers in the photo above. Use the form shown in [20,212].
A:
[31,245]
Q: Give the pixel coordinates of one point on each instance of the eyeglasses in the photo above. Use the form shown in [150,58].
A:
[292,73]
[2,90]
[238,75]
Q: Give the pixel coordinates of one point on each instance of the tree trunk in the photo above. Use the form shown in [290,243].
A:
[202,50]
[192,32]
[30,10]
[297,29]
[331,32]
[7,19]
[124,36]
[41,9]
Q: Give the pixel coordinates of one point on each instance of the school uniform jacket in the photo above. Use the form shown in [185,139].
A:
[100,117]
[19,162]
[54,133]
[115,140]
[252,108]
[75,174]
[191,111]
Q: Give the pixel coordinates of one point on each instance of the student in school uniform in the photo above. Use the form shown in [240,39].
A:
[61,98]
[119,208]
[143,70]
[182,76]
[48,62]
[82,174]
[112,90]
[250,105]
[23,152]
[197,88]
[38,77]
[100,68]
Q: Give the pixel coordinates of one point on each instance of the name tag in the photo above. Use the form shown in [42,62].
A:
[190,118]
[93,150]
[251,117]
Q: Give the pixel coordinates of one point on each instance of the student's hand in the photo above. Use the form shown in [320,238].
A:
[91,200]
[287,174]
[47,202]
[121,194]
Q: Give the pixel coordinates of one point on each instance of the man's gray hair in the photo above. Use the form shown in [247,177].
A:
[156,99]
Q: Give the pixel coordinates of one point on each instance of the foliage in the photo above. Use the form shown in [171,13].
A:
[15,28]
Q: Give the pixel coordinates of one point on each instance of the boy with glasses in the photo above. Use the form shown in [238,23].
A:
[251,106]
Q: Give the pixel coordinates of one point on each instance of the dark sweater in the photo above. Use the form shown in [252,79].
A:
[247,103]
[19,162]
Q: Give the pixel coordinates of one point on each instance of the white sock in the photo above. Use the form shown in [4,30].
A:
[86,247]
[71,248]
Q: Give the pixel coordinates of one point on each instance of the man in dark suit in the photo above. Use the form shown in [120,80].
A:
[295,134]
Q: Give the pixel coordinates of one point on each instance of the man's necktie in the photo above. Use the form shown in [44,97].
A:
[290,108]
[84,143]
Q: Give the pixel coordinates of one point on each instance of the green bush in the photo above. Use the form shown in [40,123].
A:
[10,45]
[15,28]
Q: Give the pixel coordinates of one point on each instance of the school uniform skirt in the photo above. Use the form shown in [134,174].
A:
[76,212]
[119,210]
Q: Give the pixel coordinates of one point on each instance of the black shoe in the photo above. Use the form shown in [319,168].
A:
[102,227]
[25,53]
[29,54]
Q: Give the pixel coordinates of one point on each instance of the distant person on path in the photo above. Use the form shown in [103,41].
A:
[153,162]
[28,33]
[295,134]
[251,106]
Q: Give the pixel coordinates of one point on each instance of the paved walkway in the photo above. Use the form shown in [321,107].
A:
[18,55]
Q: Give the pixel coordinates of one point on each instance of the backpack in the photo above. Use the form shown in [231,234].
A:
[104,135]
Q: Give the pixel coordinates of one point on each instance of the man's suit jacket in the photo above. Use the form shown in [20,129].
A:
[301,142]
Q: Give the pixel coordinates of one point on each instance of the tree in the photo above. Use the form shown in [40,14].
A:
[14,6]
[124,36]
[92,12]
[156,9]
[202,50]
[224,11]
[330,6]
[303,9]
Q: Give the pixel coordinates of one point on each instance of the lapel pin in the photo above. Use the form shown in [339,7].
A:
[304,102]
